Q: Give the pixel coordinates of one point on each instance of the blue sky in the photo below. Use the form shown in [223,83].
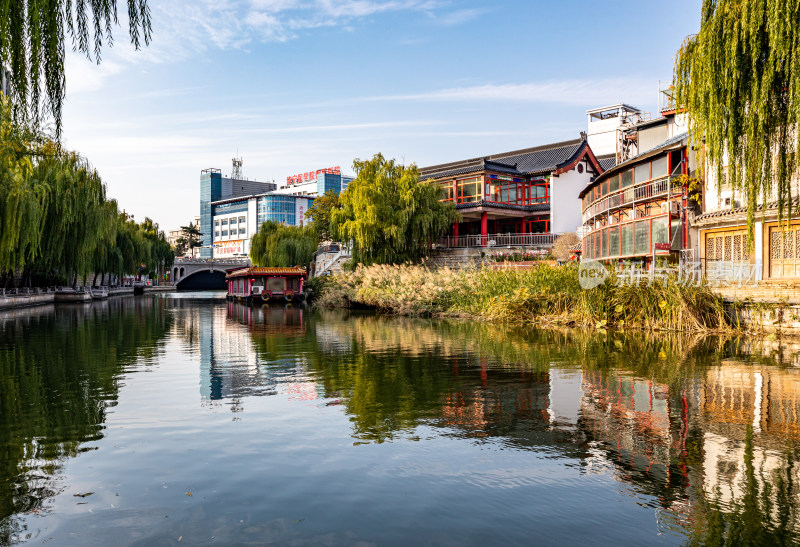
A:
[296,85]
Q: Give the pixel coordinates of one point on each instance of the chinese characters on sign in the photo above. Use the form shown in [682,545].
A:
[228,248]
[311,175]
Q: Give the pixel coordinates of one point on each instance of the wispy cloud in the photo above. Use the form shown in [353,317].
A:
[574,92]
[461,16]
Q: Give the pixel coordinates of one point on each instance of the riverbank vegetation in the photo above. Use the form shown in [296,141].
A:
[56,223]
[544,294]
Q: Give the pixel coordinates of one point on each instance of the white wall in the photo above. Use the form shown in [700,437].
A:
[252,221]
[565,205]
[300,208]
[602,135]
[304,189]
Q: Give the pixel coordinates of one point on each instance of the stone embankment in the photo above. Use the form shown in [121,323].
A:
[767,306]
[24,298]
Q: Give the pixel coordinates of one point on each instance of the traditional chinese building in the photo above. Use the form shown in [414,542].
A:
[723,235]
[639,208]
[507,198]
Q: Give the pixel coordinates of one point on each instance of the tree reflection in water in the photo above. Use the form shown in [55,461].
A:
[705,430]
[707,426]
[59,372]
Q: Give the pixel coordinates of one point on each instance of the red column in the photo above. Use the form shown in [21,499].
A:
[684,223]
[484,228]
[455,233]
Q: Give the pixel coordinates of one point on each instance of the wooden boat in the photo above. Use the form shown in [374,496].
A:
[256,285]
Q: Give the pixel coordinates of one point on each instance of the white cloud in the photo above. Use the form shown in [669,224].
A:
[574,92]
[461,16]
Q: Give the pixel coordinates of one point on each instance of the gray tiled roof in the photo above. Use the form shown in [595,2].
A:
[539,160]
[737,210]
[620,166]
[607,161]
[539,207]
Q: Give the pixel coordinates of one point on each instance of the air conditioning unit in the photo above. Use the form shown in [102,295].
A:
[730,202]
[672,207]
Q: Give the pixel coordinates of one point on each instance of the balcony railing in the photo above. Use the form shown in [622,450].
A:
[643,192]
[499,240]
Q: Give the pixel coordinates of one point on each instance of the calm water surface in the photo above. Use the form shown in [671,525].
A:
[187,418]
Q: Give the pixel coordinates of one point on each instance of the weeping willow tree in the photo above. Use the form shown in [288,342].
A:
[388,215]
[276,244]
[739,81]
[55,219]
[33,37]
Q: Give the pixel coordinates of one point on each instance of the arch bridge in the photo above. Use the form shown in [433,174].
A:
[204,273]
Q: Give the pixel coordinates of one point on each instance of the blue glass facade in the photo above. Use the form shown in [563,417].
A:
[328,181]
[278,208]
[210,190]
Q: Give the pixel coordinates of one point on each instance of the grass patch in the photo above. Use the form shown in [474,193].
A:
[544,294]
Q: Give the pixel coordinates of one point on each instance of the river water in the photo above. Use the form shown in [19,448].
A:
[184,418]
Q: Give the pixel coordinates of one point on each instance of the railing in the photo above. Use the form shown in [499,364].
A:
[343,252]
[188,260]
[499,240]
[653,189]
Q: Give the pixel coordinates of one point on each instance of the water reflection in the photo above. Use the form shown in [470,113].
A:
[60,372]
[702,430]
[705,430]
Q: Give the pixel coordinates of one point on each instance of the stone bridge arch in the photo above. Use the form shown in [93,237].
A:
[204,273]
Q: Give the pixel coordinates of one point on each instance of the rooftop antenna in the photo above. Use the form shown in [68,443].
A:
[236,173]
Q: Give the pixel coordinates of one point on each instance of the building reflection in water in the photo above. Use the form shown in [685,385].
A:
[703,440]
[232,367]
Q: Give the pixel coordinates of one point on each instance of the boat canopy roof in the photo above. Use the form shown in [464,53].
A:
[267,272]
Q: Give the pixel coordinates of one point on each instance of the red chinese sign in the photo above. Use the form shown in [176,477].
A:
[311,175]
[663,246]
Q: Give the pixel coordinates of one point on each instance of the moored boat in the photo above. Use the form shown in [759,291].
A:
[266,284]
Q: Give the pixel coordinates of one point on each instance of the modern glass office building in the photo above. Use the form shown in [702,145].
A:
[214,187]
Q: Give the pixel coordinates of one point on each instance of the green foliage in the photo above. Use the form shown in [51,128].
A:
[388,215]
[55,219]
[32,45]
[191,238]
[320,213]
[739,80]
[542,294]
[276,244]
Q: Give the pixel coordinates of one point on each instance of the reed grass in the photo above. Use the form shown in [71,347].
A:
[544,294]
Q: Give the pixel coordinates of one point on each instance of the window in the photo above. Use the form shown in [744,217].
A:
[225,222]
[604,243]
[660,230]
[660,167]
[627,239]
[642,235]
[224,233]
[241,231]
[613,184]
[641,173]
[216,234]
[626,178]
[447,190]
[216,223]
[613,241]
[233,221]
[241,220]
[468,190]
